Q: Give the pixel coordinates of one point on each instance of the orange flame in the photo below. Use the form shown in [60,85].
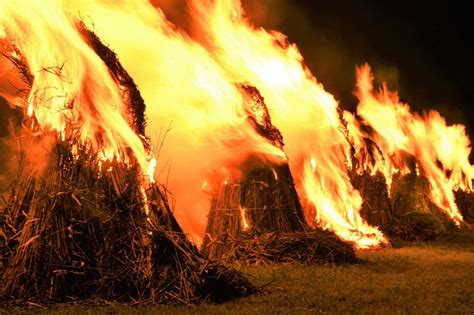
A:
[441,151]
[72,91]
[305,113]
[243,218]
[188,94]
[192,86]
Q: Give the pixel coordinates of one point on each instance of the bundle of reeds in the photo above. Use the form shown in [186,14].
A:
[259,218]
[264,202]
[131,95]
[414,216]
[315,247]
[376,207]
[84,228]
[465,202]
[79,232]
[405,212]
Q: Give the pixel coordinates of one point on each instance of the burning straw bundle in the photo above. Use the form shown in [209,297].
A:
[405,211]
[376,207]
[79,233]
[416,216]
[89,230]
[407,214]
[465,202]
[260,218]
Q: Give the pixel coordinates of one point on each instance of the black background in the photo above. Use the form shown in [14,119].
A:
[423,49]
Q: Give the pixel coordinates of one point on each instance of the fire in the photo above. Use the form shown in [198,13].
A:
[193,107]
[199,111]
[441,151]
[72,91]
[313,164]
[306,114]
[243,217]
[196,90]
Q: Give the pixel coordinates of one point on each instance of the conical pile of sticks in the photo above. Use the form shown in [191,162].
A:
[259,218]
[87,230]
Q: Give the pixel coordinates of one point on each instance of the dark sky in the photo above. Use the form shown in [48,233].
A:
[423,49]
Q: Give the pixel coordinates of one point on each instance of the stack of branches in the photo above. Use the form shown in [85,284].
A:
[315,247]
[259,217]
[403,213]
[81,229]
[465,202]
[376,207]
[78,232]
[415,216]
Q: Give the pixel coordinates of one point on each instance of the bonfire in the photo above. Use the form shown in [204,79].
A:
[86,216]
[413,171]
[258,218]
[90,226]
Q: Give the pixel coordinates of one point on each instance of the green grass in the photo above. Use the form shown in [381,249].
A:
[416,278]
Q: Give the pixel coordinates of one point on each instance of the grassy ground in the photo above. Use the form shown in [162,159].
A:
[426,278]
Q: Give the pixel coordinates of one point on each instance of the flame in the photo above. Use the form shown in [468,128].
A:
[306,114]
[243,217]
[313,164]
[192,105]
[200,115]
[151,169]
[441,151]
[72,91]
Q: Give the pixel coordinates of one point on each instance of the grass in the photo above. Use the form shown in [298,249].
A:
[421,278]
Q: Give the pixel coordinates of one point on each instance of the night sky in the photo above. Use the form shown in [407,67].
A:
[423,49]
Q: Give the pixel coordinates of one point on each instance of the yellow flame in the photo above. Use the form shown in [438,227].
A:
[151,170]
[185,88]
[305,113]
[243,216]
[313,164]
[72,92]
[438,149]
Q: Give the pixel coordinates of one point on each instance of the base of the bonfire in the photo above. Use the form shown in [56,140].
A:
[465,202]
[315,247]
[406,213]
[376,208]
[260,220]
[78,232]
[414,227]
[415,216]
